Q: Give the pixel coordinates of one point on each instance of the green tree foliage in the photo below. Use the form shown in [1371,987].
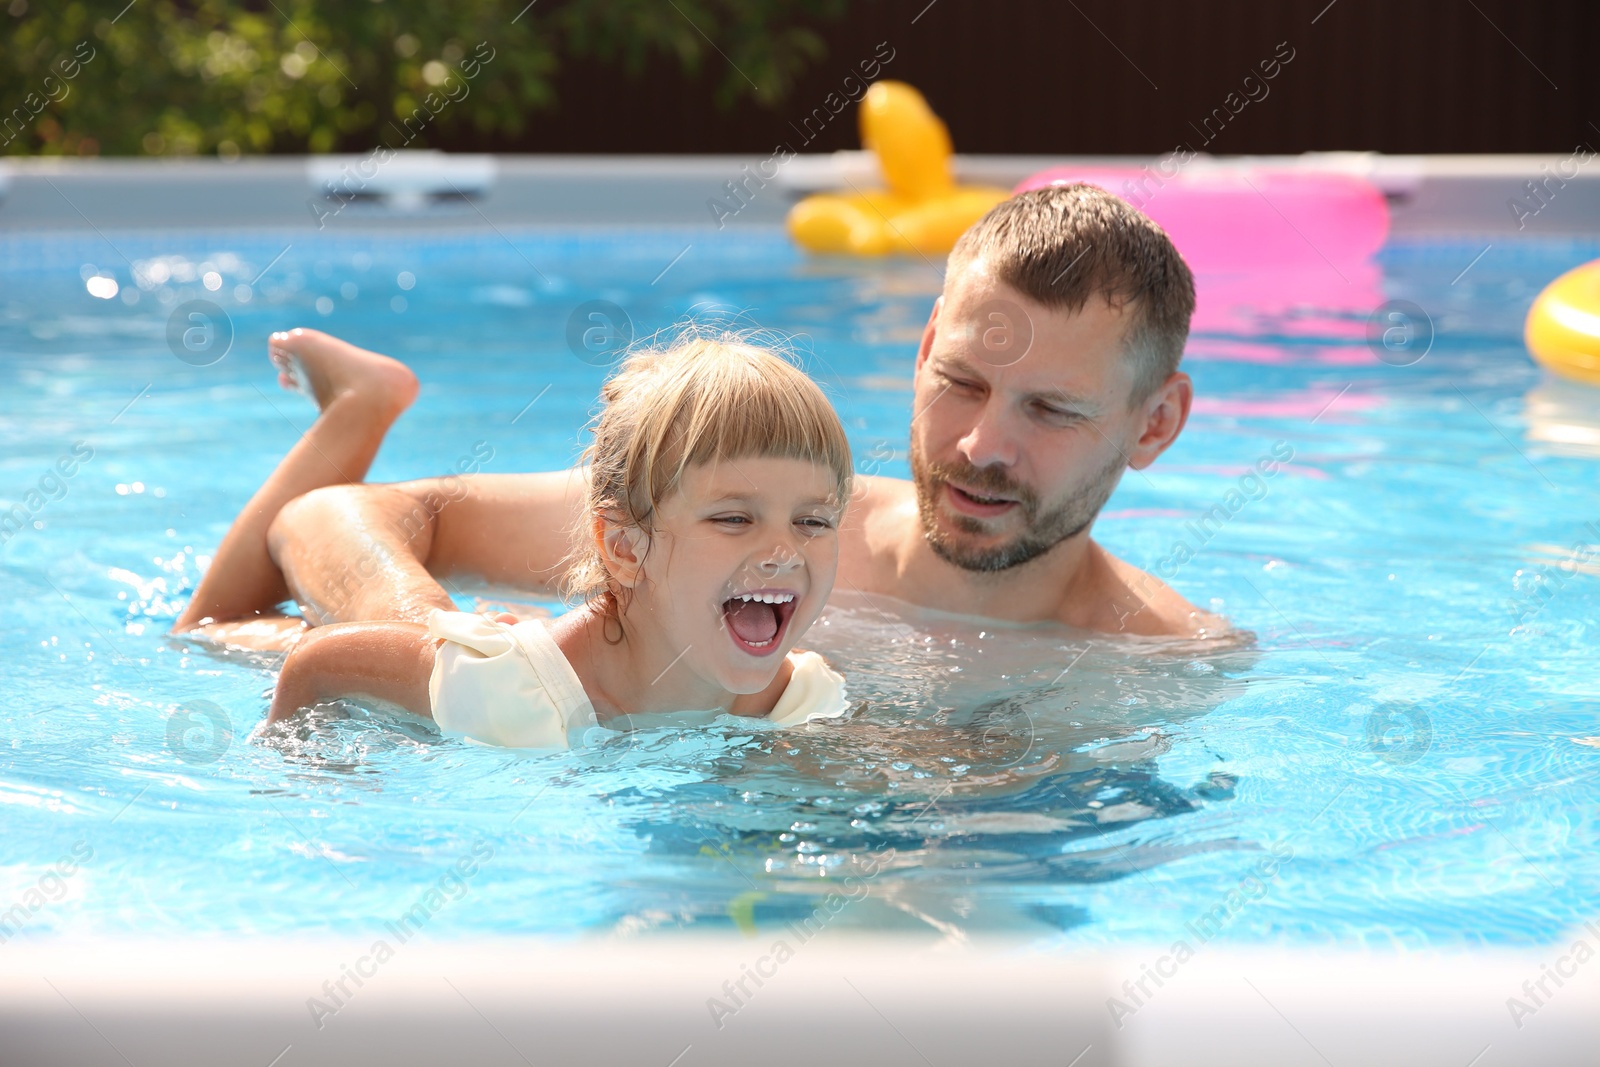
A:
[161,77]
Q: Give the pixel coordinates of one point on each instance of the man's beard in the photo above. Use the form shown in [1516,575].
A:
[1040,533]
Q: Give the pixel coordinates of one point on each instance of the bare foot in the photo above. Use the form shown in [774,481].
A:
[327,368]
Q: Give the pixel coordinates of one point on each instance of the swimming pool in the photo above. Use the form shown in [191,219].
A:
[1406,755]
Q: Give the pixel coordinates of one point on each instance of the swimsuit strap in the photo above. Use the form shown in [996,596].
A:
[512,686]
[555,671]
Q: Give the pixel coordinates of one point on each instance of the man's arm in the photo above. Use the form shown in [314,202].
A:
[355,552]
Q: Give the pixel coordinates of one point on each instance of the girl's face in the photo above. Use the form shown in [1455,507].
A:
[742,561]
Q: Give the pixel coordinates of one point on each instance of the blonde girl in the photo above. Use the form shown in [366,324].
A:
[718,474]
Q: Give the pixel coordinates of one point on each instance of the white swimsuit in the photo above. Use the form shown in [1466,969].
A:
[510,685]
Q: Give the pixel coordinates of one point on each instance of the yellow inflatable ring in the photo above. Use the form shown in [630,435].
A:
[1563,328]
[922,211]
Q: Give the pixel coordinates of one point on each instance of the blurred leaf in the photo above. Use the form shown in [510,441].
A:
[225,77]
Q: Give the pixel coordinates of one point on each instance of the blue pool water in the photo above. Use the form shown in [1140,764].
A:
[1407,753]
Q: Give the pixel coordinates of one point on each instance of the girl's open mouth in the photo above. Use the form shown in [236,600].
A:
[756,621]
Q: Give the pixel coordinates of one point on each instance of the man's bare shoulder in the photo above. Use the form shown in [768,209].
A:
[874,492]
[1132,601]
[1114,597]
[879,506]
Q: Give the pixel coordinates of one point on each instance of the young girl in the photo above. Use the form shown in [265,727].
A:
[718,473]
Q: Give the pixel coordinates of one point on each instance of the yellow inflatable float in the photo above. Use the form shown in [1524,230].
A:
[1563,328]
[923,210]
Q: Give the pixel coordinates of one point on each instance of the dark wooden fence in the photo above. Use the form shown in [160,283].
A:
[1141,76]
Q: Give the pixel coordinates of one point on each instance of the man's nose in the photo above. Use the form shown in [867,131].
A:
[990,441]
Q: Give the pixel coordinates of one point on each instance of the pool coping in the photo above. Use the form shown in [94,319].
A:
[691,999]
[421,191]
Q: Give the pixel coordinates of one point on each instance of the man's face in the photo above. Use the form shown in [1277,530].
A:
[1021,424]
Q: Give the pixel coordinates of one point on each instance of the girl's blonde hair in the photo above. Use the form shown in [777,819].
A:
[694,401]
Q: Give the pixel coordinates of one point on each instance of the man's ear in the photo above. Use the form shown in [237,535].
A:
[1165,413]
[928,332]
[622,549]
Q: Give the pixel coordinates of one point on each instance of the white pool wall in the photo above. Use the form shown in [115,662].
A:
[675,1001]
[1462,195]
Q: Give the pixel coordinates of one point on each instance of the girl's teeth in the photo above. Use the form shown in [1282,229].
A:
[768,598]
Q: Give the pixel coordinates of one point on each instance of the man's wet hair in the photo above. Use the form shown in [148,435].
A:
[1065,244]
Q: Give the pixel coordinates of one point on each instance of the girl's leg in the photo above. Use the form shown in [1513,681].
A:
[360,394]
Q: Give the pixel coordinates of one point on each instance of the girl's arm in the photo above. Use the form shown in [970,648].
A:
[388,661]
